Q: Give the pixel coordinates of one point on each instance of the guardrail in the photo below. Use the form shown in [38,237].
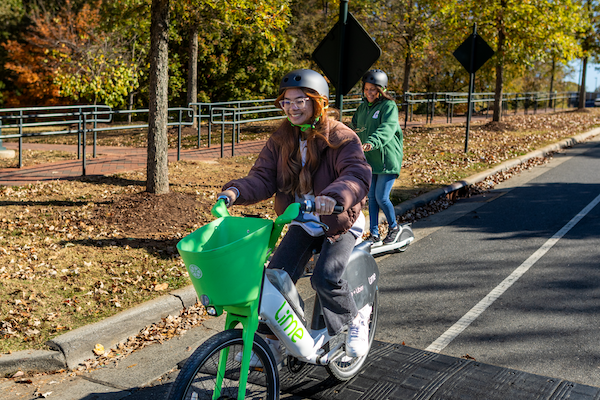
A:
[86,119]
[483,101]
[236,113]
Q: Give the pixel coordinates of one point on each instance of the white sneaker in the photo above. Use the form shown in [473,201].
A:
[357,341]
[276,349]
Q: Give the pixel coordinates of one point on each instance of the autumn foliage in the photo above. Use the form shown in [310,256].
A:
[67,55]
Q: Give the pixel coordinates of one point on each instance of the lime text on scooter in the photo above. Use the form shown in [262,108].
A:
[296,331]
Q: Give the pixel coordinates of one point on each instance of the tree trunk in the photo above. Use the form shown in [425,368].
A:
[551,98]
[582,87]
[192,81]
[407,70]
[498,92]
[157,164]
[130,107]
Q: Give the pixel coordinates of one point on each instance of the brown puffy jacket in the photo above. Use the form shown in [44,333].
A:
[343,174]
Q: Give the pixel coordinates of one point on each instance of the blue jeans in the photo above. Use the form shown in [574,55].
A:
[379,198]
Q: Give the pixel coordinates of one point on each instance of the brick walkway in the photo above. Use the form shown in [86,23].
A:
[110,160]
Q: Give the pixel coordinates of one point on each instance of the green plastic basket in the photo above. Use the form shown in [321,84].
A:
[225,258]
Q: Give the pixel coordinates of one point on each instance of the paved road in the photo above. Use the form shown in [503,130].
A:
[544,319]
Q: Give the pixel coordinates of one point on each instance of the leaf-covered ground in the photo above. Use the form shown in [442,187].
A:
[74,252]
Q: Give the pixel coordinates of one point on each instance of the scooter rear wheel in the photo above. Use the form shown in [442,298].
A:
[345,368]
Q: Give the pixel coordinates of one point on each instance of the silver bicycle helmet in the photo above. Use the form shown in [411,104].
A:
[376,77]
[305,78]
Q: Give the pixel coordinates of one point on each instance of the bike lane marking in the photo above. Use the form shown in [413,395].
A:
[444,340]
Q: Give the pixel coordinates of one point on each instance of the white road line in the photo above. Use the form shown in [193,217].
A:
[440,343]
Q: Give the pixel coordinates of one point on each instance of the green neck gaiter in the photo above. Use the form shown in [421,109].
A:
[305,127]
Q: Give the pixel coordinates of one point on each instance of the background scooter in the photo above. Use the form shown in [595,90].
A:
[405,237]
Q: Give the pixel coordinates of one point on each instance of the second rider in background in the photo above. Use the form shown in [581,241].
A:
[313,156]
[376,123]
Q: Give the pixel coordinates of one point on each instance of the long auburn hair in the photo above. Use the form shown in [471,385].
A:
[298,179]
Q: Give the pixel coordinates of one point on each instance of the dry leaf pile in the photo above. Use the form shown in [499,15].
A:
[75,252]
[154,334]
[435,155]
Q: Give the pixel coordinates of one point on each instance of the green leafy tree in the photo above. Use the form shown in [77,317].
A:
[518,29]
[68,55]
[310,22]
[589,39]
[11,13]
[99,79]
[406,29]
[213,26]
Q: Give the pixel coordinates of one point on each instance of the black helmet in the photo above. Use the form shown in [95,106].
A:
[376,77]
[305,78]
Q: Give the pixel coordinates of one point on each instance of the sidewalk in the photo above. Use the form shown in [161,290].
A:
[111,160]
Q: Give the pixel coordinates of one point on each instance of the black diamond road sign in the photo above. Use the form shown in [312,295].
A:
[360,52]
[482,52]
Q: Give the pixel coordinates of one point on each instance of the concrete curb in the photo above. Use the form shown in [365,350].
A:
[67,351]
[76,346]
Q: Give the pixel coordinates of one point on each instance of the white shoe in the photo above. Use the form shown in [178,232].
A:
[276,349]
[357,341]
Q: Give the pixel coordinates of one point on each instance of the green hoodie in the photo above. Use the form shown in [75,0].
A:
[377,124]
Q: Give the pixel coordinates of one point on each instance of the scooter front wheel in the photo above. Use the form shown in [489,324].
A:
[199,377]
[345,367]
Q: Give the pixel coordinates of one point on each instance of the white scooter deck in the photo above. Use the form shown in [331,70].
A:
[405,237]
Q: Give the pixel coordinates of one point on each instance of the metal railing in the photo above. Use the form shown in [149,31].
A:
[79,120]
[236,113]
[482,102]
[84,119]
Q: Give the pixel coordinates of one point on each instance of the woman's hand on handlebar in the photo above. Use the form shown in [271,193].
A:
[229,194]
[324,205]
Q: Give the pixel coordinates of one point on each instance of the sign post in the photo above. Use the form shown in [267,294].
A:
[471,84]
[472,54]
[339,96]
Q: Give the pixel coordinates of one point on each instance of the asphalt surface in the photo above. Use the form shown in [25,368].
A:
[392,370]
[512,280]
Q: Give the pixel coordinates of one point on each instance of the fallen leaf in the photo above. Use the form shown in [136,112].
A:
[160,287]
[98,349]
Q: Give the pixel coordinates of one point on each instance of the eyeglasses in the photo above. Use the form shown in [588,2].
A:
[299,103]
